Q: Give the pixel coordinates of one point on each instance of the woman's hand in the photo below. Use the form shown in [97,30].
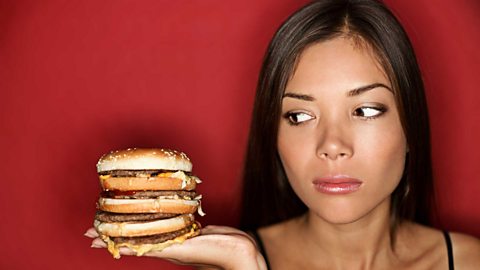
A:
[216,246]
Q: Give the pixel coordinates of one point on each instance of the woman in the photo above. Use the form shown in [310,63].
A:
[338,171]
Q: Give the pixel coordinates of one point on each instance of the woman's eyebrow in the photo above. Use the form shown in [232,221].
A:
[299,96]
[362,89]
[354,92]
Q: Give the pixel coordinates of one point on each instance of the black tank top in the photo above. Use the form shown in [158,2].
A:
[448,242]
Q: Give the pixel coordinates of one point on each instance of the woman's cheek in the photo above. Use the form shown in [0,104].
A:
[295,148]
[383,152]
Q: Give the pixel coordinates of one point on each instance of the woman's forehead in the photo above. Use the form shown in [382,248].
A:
[336,64]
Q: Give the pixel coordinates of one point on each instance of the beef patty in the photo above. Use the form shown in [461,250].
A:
[145,194]
[152,239]
[114,217]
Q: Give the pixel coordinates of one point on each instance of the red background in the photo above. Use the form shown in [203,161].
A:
[80,78]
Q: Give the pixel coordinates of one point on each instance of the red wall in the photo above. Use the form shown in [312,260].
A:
[80,78]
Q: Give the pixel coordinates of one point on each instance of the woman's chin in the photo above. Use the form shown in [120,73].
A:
[339,213]
[347,212]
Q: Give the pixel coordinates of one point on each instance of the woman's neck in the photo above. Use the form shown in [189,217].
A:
[362,244]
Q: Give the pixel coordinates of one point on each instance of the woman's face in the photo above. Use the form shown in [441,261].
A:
[340,138]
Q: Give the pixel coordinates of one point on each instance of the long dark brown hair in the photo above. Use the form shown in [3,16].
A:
[267,195]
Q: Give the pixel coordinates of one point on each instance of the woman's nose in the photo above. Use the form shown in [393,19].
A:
[334,142]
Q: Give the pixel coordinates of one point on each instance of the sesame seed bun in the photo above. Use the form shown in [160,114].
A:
[144,159]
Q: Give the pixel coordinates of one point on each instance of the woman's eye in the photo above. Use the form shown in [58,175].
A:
[296,118]
[369,112]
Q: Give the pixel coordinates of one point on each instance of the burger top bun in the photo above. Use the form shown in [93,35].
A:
[144,159]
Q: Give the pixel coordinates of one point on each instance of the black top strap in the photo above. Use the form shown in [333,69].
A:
[449,250]
[260,245]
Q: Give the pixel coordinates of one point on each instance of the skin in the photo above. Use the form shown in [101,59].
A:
[357,134]
[328,130]
[218,247]
[332,134]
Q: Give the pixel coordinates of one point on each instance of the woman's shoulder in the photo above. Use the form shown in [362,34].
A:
[466,250]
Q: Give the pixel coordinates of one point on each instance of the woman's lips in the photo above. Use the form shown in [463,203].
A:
[337,185]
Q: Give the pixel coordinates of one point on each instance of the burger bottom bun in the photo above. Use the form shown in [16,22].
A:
[158,205]
[148,183]
[132,229]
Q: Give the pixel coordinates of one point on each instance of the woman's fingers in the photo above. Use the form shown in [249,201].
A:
[98,243]
[92,233]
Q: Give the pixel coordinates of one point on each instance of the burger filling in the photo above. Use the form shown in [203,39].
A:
[140,173]
[148,194]
[114,243]
[151,239]
[115,217]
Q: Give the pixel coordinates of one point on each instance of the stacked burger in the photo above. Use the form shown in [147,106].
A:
[148,199]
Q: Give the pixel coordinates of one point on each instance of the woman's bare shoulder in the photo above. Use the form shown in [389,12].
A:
[466,248]
[466,251]
[423,237]
[422,246]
